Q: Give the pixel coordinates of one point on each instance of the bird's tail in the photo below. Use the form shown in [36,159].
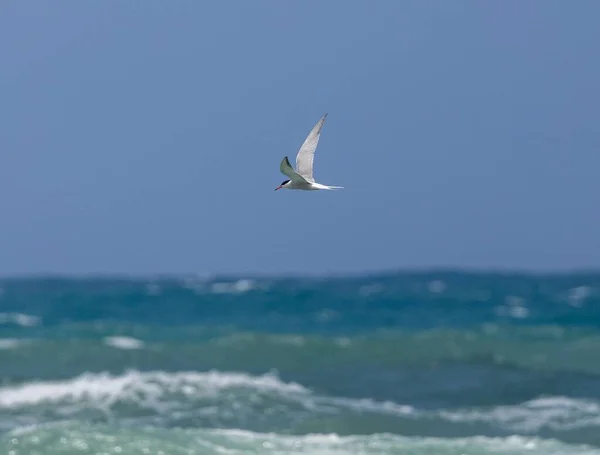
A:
[336,187]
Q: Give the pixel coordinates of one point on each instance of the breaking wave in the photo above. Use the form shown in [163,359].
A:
[217,399]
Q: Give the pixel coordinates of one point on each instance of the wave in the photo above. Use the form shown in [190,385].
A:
[183,399]
[393,444]
[20,319]
[122,342]
[11,343]
[74,438]
[200,285]
[142,387]
[260,403]
[237,287]
[555,413]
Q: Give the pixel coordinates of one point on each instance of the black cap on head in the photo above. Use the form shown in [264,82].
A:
[284,182]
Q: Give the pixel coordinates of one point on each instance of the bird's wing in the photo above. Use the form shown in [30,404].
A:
[306,154]
[286,168]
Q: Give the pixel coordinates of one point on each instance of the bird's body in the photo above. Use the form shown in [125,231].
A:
[302,177]
[308,186]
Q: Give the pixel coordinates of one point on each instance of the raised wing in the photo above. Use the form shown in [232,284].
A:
[286,168]
[306,154]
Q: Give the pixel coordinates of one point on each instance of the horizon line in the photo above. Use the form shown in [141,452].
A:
[430,270]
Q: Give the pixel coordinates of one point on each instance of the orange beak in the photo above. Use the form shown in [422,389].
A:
[279,187]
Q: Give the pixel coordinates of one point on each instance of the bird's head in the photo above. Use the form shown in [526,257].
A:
[283,184]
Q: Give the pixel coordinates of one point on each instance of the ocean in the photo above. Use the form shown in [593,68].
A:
[438,362]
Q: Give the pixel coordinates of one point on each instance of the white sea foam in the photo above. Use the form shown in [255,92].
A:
[384,443]
[514,306]
[73,437]
[145,388]
[557,413]
[369,405]
[10,343]
[202,284]
[577,296]
[22,319]
[237,287]
[122,342]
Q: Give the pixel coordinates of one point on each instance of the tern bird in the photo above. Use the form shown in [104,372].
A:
[302,177]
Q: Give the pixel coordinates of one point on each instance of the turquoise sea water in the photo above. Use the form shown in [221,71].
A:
[407,363]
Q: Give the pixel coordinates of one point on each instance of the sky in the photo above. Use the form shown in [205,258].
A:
[145,137]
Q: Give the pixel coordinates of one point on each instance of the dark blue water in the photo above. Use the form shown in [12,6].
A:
[439,362]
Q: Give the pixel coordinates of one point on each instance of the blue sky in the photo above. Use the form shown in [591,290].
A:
[145,137]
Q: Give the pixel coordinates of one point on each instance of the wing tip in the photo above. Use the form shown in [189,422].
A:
[285,162]
[321,122]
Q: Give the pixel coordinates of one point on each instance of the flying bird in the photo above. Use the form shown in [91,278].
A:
[302,177]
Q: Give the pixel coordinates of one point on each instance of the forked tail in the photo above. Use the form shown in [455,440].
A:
[336,187]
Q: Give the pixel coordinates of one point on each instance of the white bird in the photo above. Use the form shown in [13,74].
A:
[302,177]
